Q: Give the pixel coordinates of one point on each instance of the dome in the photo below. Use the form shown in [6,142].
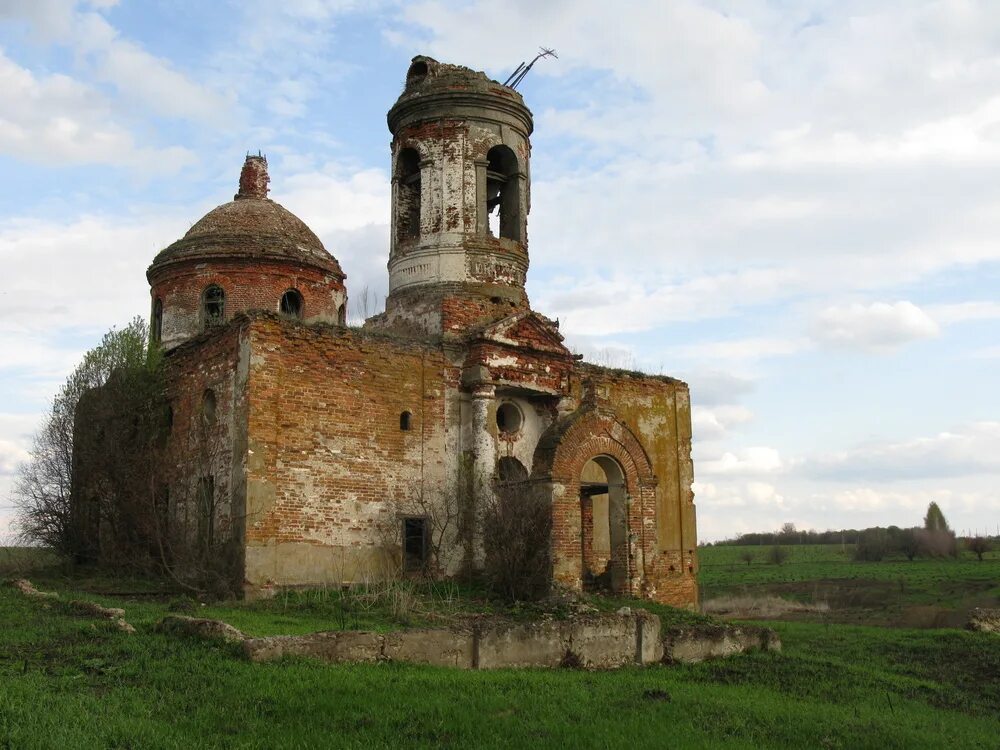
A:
[251,226]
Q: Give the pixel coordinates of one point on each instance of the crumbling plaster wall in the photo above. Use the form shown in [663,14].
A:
[658,412]
[454,253]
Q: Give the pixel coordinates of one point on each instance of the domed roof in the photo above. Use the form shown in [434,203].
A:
[250,226]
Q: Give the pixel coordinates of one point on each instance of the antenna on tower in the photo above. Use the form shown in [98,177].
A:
[522,70]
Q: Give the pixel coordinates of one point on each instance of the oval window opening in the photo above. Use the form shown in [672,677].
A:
[509,418]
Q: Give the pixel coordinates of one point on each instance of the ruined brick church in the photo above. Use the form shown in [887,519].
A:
[334,454]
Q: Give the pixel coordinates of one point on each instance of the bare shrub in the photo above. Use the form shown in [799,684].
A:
[517,528]
[978,545]
[937,543]
[747,556]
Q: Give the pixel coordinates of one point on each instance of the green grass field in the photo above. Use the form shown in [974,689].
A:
[72,681]
[66,681]
[891,592]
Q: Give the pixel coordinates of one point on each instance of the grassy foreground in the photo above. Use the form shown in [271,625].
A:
[69,681]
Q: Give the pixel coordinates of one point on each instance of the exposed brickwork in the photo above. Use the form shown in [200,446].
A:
[326,438]
[331,466]
[257,286]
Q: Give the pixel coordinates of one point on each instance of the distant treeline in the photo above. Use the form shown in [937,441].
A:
[934,540]
[843,536]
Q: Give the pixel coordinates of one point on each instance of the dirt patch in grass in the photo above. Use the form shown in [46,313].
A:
[760,607]
[857,601]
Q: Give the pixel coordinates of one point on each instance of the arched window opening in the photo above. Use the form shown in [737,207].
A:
[407,195]
[503,201]
[405,420]
[511,471]
[213,304]
[157,320]
[509,418]
[416,73]
[208,408]
[291,304]
[342,314]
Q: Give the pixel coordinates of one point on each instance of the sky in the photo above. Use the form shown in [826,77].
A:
[793,206]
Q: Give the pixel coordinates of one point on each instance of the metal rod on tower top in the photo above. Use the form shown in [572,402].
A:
[511,76]
[517,77]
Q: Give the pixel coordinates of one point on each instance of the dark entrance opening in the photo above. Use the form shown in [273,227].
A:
[414,544]
[604,521]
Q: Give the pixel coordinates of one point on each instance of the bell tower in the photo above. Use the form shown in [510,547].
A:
[460,199]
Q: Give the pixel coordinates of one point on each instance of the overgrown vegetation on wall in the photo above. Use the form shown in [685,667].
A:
[43,488]
[91,489]
[517,527]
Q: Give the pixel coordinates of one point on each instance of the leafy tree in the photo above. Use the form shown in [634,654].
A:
[43,484]
[747,556]
[872,546]
[909,543]
[978,545]
[934,520]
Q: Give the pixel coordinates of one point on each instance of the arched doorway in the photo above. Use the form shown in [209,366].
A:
[591,453]
[604,525]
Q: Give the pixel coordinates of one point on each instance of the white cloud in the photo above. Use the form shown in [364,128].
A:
[57,120]
[877,327]
[151,81]
[715,388]
[741,350]
[712,57]
[717,422]
[744,462]
[751,496]
[967,450]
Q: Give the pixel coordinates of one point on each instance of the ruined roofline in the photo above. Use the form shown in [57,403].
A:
[633,374]
[317,328]
[434,89]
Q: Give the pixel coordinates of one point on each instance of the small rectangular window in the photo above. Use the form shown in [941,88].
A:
[414,544]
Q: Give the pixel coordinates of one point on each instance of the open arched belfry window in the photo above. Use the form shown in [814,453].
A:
[503,198]
[407,195]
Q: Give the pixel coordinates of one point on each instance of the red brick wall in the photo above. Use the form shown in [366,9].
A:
[330,467]
[248,286]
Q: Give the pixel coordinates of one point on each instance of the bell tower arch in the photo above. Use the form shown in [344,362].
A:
[460,199]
